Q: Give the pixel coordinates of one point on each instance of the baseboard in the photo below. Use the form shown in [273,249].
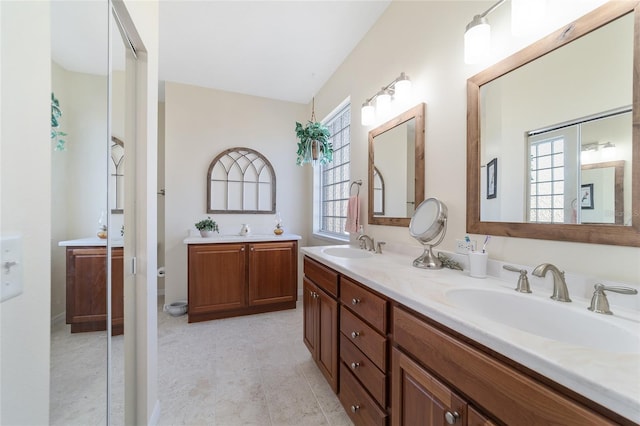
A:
[59,319]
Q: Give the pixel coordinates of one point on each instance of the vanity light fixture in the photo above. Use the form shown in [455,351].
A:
[398,91]
[597,151]
[525,14]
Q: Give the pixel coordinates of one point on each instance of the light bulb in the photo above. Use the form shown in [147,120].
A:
[367,114]
[477,40]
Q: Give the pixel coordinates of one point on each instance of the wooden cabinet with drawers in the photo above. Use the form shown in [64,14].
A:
[400,367]
[230,279]
[363,353]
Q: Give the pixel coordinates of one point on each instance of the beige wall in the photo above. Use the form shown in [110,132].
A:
[199,124]
[425,40]
[25,208]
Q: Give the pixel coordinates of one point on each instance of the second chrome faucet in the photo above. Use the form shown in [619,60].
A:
[560,291]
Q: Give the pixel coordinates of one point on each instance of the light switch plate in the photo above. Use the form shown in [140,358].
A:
[10,267]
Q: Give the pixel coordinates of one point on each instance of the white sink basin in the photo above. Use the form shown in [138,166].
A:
[347,252]
[549,319]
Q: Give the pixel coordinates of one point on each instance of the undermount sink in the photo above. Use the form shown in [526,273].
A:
[347,252]
[548,319]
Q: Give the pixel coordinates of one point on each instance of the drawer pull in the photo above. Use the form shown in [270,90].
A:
[355,365]
[355,408]
[451,418]
[354,334]
[355,301]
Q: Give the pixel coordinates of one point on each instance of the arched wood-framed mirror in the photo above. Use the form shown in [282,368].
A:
[396,151]
[602,19]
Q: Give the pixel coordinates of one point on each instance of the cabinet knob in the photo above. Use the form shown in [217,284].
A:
[451,418]
[355,408]
[355,365]
[355,301]
[242,249]
[354,334]
[252,248]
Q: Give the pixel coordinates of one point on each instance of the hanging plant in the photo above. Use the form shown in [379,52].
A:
[314,145]
[56,134]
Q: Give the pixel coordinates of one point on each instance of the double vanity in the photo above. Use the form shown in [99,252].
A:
[400,345]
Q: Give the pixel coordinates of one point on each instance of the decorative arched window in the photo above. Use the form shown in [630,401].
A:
[241,180]
[116,173]
[378,192]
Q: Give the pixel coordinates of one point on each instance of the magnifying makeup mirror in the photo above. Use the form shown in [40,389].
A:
[428,221]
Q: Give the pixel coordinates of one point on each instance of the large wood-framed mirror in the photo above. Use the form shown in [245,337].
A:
[396,157]
[502,116]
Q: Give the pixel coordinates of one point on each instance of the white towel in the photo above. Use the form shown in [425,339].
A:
[353,214]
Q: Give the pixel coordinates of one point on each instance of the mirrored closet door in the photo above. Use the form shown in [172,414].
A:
[93,109]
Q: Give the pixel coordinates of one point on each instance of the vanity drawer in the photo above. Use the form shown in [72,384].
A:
[369,306]
[372,344]
[369,375]
[360,407]
[323,277]
[508,394]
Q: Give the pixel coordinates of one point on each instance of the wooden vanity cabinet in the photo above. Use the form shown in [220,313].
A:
[86,298]
[230,279]
[509,395]
[320,320]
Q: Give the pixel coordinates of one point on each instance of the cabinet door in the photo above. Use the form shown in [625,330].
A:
[418,398]
[216,278]
[86,285]
[117,291]
[273,270]
[87,289]
[310,318]
[327,351]
[477,419]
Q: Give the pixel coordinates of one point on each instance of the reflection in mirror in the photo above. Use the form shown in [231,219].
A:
[378,192]
[396,168]
[116,175]
[545,113]
[78,384]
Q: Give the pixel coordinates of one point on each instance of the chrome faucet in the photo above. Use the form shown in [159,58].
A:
[560,291]
[366,242]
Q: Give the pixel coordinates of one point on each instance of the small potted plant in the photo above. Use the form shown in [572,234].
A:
[207,227]
[314,143]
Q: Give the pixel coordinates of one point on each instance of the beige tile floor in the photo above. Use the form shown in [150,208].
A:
[251,370]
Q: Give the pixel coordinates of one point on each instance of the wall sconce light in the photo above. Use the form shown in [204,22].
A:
[398,91]
[525,14]
[477,36]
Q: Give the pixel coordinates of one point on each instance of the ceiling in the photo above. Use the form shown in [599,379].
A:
[283,50]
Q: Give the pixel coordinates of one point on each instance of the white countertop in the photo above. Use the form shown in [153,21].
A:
[610,379]
[236,238]
[91,242]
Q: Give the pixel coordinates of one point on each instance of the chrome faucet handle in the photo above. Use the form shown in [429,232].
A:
[379,247]
[599,301]
[523,280]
